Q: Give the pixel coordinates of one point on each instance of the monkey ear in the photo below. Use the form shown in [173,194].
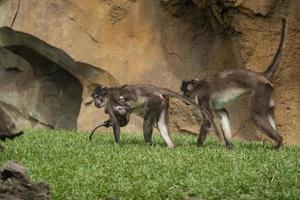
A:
[195,80]
[98,86]
[183,85]
[105,89]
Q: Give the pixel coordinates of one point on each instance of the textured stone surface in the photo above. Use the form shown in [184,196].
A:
[10,122]
[162,42]
[15,184]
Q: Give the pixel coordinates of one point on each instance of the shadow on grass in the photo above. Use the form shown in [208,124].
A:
[180,140]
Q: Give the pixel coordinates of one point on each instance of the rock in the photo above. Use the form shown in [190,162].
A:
[15,184]
[38,81]
[8,128]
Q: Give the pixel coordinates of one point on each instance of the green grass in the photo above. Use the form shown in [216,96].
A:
[78,169]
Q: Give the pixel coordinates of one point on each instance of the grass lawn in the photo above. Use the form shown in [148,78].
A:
[78,169]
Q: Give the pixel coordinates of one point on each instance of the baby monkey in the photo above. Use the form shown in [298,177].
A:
[121,110]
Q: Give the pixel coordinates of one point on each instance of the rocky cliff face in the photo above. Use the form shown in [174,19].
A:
[160,42]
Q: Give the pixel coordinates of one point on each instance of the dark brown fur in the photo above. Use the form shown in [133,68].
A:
[153,100]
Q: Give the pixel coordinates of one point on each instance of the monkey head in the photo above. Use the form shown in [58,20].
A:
[121,110]
[189,87]
[122,107]
[99,95]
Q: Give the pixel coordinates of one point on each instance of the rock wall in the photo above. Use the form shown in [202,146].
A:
[159,42]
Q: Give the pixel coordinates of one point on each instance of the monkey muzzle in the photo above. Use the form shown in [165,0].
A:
[98,104]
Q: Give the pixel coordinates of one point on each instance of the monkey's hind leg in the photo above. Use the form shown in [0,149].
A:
[149,120]
[224,120]
[271,114]
[205,125]
[163,126]
[261,112]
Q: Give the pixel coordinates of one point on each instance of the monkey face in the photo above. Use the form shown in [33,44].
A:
[188,87]
[99,96]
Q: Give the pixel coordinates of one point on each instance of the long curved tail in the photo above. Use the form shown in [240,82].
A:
[176,95]
[274,64]
[105,124]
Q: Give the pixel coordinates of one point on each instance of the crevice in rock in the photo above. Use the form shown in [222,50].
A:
[176,55]
[90,36]
[42,123]
[16,14]
[13,69]
[177,8]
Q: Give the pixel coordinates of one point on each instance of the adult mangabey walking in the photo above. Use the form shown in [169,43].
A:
[153,100]
[118,110]
[212,94]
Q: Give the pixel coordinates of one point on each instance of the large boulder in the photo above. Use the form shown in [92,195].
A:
[159,42]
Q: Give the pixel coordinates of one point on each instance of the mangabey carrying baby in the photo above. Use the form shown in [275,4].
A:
[212,94]
[119,102]
[120,109]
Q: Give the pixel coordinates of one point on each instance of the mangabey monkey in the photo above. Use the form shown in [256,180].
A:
[120,110]
[212,94]
[154,101]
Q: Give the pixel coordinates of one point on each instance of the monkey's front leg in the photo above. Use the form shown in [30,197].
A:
[207,111]
[205,125]
[115,125]
[149,120]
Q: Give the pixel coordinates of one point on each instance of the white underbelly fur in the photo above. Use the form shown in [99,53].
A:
[221,99]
